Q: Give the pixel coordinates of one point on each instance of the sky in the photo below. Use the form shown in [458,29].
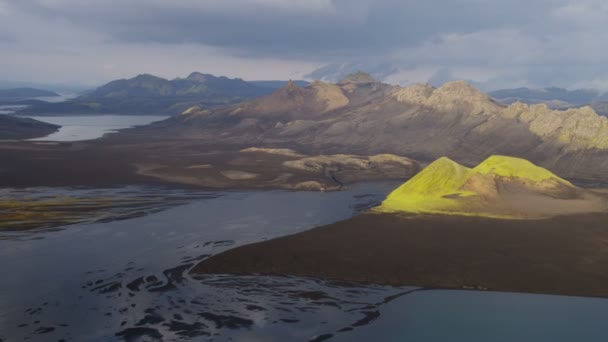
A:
[493,44]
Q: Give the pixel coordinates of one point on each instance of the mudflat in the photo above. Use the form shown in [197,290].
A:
[105,162]
[566,255]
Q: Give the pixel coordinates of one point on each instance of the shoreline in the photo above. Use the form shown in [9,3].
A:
[565,255]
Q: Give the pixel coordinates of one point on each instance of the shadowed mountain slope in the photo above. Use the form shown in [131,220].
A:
[364,117]
[24,128]
[148,94]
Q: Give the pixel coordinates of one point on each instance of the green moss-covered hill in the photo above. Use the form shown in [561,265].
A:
[500,186]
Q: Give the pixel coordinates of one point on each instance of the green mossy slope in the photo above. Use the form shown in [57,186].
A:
[446,187]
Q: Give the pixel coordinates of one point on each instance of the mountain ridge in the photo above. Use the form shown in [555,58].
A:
[554,97]
[418,121]
[150,94]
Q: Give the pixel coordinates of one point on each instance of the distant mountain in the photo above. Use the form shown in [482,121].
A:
[12,127]
[17,94]
[358,77]
[149,94]
[364,117]
[56,87]
[555,98]
[278,84]
[337,71]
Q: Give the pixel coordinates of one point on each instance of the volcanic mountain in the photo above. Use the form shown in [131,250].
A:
[500,186]
[361,116]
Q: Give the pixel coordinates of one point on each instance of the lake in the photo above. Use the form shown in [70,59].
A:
[82,127]
[87,127]
[125,278]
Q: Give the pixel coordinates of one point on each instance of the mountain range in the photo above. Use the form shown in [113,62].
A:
[149,94]
[361,116]
[555,98]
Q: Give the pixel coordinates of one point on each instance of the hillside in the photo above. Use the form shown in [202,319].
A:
[148,94]
[421,122]
[500,186]
[24,128]
[17,94]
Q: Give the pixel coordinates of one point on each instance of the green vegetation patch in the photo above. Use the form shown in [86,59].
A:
[446,187]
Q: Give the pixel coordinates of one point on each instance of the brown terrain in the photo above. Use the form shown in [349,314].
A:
[85,163]
[324,135]
[565,255]
[364,117]
[358,117]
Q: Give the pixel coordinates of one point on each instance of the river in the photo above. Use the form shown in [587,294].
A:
[125,278]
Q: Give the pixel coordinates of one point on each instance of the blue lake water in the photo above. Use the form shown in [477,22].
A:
[87,127]
[487,316]
[127,280]
[83,127]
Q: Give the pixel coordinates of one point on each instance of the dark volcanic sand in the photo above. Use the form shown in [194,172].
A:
[26,164]
[562,255]
[105,162]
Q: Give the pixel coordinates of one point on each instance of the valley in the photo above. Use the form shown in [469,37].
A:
[306,171]
[491,195]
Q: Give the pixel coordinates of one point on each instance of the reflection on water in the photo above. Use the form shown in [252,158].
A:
[93,281]
[128,280]
[86,127]
[487,316]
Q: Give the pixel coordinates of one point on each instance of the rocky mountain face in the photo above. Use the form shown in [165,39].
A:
[365,117]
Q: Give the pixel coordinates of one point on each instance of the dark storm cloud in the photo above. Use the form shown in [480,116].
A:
[493,43]
[301,29]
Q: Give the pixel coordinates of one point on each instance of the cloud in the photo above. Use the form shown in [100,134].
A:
[585,14]
[314,29]
[491,42]
[3,8]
